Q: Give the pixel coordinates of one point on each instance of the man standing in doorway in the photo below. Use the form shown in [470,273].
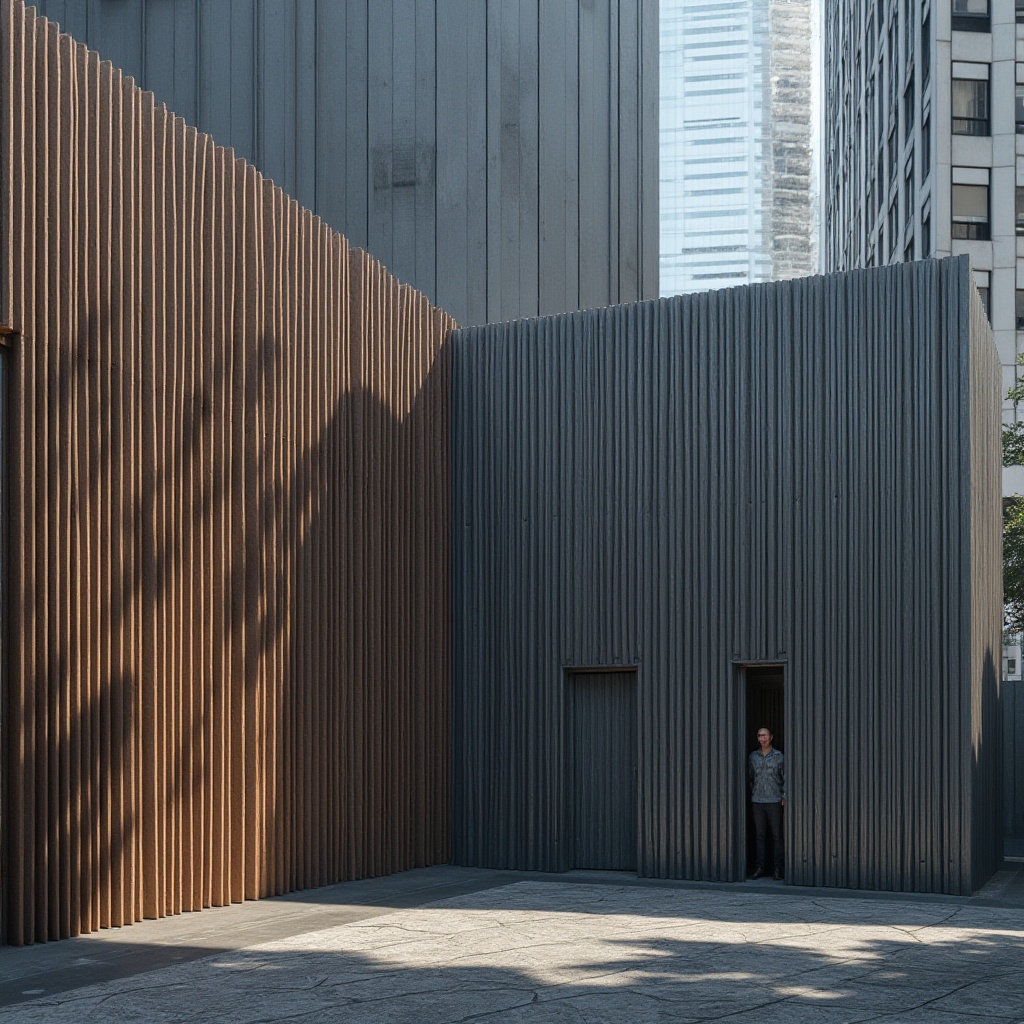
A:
[767,778]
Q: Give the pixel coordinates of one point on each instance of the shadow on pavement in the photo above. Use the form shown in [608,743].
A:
[539,952]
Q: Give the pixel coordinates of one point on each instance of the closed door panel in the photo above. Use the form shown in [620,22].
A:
[602,770]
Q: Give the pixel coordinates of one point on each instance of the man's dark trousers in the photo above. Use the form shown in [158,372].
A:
[765,816]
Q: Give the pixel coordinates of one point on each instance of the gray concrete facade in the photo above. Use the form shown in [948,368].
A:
[500,157]
[803,475]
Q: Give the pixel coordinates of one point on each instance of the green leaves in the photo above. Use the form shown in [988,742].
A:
[1013,564]
[1013,444]
[1013,520]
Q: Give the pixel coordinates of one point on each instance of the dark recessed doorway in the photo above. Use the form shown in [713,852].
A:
[601,770]
[765,705]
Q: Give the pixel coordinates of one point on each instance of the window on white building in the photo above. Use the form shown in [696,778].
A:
[926,49]
[970,106]
[908,191]
[971,15]
[908,109]
[970,212]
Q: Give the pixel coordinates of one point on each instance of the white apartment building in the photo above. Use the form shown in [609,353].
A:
[924,146]
[735,135]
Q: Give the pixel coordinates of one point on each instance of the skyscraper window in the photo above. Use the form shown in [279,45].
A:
[926,50]
[908,191]
[970,211]
[908,109]
[970,106]
[971,15]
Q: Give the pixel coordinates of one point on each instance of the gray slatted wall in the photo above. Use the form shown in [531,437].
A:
[500,156]
[780,473]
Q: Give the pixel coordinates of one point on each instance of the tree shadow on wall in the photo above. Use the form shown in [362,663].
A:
[232,671]
[349,658]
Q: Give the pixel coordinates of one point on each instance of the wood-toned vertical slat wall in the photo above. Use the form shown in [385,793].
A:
[983,398]
[226,658]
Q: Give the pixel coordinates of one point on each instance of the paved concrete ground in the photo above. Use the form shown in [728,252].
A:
[457,945]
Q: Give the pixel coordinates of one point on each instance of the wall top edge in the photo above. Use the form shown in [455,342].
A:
[954,266]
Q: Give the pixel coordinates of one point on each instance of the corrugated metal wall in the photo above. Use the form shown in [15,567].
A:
[500,156]
[803,474]
[227,625]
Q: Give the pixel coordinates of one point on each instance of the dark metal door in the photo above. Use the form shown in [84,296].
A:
[602,770]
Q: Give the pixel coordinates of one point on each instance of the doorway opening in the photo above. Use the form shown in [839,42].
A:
[765,703]
[5,339]
[601,751]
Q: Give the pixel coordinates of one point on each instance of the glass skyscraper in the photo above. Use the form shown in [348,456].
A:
[736,202]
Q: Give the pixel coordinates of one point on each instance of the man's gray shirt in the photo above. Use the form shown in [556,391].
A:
[766,776]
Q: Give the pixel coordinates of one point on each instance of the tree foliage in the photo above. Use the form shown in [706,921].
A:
[1013,433]
[1013,520]
[1013,565]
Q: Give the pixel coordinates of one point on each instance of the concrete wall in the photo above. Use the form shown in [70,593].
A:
[501,157]
[804,474]
[226,617]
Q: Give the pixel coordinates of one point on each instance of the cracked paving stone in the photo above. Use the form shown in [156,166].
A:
[543,951]
[929,1015]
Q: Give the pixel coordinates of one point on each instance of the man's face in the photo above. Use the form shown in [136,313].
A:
[764,737]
